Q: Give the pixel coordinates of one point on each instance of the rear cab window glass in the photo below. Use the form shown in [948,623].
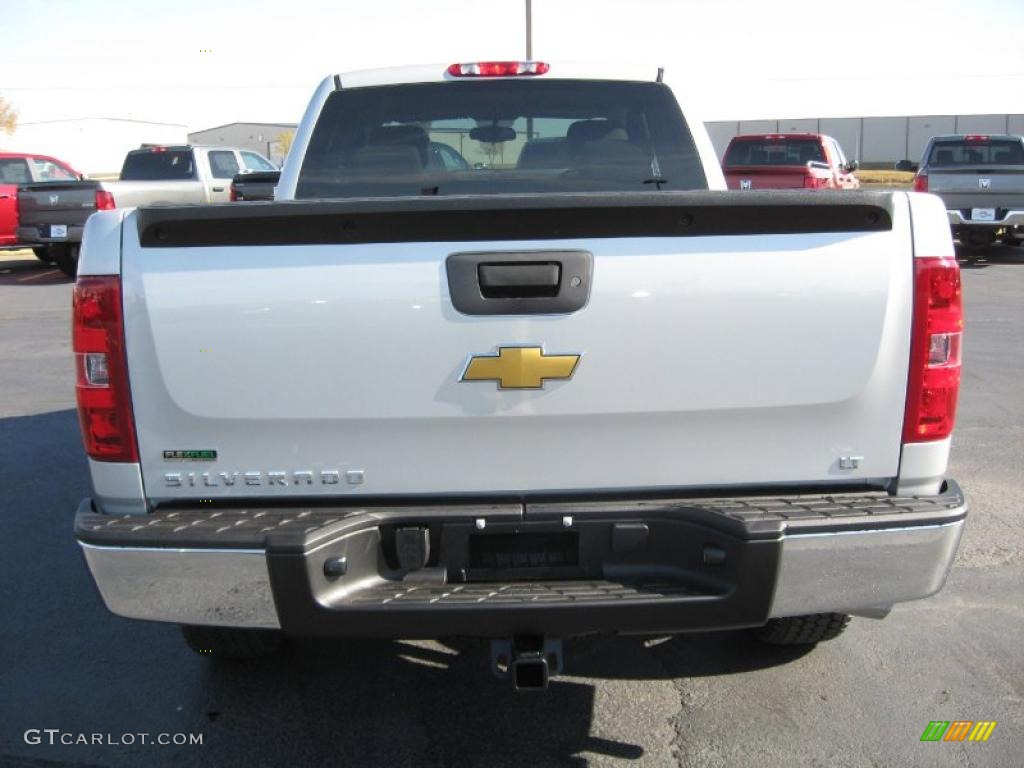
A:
[775,151]
[968,152]
[499,136]
[223,164]
[158,164]
[47,170]
[14,171]
[254,162]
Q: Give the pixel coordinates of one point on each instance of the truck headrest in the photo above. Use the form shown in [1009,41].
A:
[594,130]
[390,135]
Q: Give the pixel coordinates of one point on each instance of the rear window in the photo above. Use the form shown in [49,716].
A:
[47,170]
[256,163]
[986,152]
[783,151]
[153,165]
[14,171]
[499,136]
[223,164]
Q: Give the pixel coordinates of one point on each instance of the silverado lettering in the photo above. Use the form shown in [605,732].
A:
[215,479]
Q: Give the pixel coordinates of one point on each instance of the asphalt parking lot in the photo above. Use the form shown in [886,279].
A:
[861,700]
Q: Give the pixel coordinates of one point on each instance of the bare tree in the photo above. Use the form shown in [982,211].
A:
[284,141]
[491,150]
[8,116]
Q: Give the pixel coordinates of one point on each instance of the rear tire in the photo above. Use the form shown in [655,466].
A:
[66,258]
[230,642]
[803,630]
[43,254]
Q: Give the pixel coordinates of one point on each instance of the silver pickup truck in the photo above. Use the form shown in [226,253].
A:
[980,178]
[571,385]
[187,174]
[53,214]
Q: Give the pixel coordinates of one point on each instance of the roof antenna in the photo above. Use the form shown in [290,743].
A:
[661,74]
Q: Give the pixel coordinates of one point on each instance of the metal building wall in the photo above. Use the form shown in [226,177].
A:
[923,128]
[981,123]
[809,125]
[884,138]
[259,137]
[845,130]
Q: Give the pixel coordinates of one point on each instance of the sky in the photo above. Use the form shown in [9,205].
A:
[209,62]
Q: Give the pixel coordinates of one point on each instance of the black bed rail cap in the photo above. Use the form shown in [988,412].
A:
[515,217]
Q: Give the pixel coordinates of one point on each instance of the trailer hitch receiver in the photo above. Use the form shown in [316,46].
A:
[527,660]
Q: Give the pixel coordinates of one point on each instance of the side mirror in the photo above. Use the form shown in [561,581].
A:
[852,166]
[907,166]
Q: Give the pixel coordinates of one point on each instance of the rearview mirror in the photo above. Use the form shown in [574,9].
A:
[492,134]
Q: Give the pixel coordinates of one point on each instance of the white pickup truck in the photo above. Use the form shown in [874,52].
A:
[567,385]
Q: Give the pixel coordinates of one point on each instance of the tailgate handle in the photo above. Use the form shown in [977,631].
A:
[525,280]
[540,282]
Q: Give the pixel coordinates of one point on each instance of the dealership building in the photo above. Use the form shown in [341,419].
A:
[264,138]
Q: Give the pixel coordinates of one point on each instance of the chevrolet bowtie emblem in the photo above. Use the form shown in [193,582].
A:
[520,367]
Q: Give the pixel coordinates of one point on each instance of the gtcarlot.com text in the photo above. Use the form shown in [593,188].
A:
[55,736]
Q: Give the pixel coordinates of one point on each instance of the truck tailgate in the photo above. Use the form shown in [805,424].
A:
[1000,187]
[55,210]
[761,177]
[735,345]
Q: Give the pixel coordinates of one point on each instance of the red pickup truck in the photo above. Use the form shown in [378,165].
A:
[787,161]
[17,169]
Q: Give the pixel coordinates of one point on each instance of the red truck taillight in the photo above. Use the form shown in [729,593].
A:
[104,200]
[233,194]
[934,380]
[101,370]
[921,182]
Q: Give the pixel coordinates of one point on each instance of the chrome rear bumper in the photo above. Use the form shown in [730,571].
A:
[863,571]
[1011,219]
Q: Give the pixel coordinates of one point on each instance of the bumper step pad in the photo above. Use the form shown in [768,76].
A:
[517,593]
[299,528]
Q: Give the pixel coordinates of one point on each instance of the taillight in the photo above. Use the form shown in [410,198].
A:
[101,371]
[233,194]
[934,380]
[815,182]
[104,200]
[498,68]
[921,182]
